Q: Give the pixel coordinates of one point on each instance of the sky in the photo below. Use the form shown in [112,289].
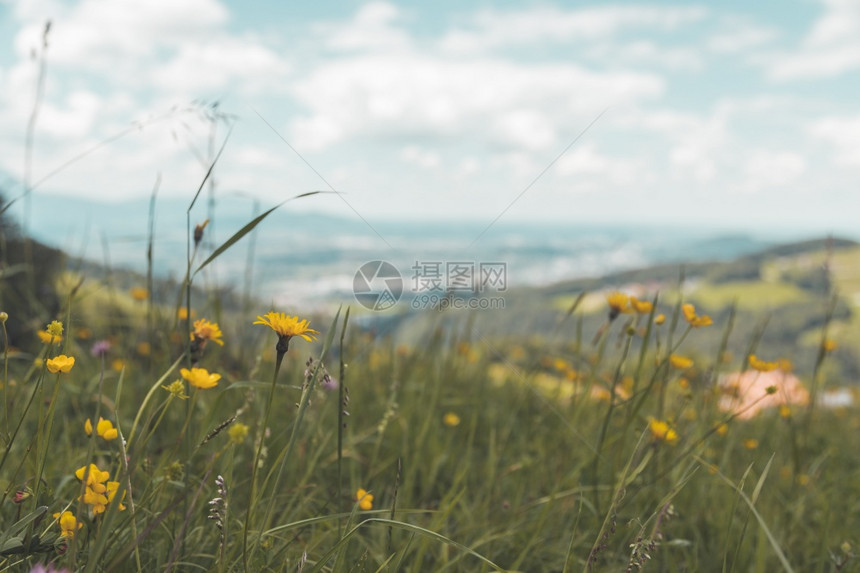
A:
[727,114]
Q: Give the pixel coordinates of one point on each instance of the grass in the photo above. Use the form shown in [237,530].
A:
[536,472]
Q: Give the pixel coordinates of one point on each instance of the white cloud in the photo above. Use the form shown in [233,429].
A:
[421,157]
[843,134]
[647,53]
[75,119]
[476,102]
[694,142]
[179,48]
[468,166]
[831,48]
[219,64]
[493,101]
[97,33]
[741,38]
[528,128]
[768,169]
[111,62]
[254,156]
[491,28]
[587,160]
[374,27]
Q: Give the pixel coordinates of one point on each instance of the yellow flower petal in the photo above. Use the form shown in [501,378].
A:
[200,378]
[680,362]
[61,363]
[662,431]
[205,330]
[641,306]
[287,326]
[618,303]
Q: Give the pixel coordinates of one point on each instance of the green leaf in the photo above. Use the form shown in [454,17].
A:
[21,524]
[247,229]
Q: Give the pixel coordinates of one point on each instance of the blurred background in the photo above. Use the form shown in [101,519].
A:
[565,139]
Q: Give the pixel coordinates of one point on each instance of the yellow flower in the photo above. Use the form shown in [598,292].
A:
[55,328]
[47,338]
[364,499]
[177,389]
[68,524]
[144,348]
[784,411]
[661,431]
[200,377]
[641,306]
[61,363]
[117,365]
[694,319]
[619,303]
[205,330]
[238,432]
[660,318]
[451,419]
[95,477]
[680,362]
[761,365]
[99,491]
[138,293]
[95,497]
[182,313]
[286,327]
[829,345]
[104,429]
[750,443]
[112,487]
[723,429]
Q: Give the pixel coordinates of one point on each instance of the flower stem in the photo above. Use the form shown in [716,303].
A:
[278,360]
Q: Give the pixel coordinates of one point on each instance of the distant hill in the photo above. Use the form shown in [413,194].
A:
[779,294]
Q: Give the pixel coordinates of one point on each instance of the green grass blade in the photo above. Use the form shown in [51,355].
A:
[406,527]
[209,171]
[245,230]
[770,537]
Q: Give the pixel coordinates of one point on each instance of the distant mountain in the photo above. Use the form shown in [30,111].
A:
[314,256]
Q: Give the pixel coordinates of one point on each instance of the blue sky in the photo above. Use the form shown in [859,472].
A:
[725,114]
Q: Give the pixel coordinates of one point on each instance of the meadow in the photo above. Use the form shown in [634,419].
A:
[152,426]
